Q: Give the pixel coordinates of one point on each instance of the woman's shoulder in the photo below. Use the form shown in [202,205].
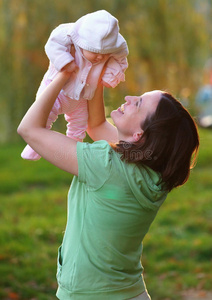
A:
[97,153]
[94,163]
[100,145]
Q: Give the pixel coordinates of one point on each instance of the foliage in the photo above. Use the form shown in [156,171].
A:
[177,250]
[169,42]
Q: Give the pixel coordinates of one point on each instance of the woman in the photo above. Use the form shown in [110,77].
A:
[121,181]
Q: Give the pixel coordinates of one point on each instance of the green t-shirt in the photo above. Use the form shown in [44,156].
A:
[111,205]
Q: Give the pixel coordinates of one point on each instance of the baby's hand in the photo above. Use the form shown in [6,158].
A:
[70,67]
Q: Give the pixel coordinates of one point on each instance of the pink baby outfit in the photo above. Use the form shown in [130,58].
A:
[97,32]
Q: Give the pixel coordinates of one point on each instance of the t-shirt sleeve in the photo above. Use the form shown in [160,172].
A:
[94,163]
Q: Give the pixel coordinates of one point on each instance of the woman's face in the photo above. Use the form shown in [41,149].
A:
[131,115]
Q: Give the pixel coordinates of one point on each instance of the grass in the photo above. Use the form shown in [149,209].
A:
[177,251]
[32,221]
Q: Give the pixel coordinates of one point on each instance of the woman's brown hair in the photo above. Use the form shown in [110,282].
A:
[169,144]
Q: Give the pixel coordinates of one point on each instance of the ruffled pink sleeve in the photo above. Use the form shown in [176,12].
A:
[115,70]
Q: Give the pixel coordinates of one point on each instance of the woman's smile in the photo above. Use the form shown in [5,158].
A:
[122,108]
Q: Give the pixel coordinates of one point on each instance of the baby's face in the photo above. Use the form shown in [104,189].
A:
[95,57]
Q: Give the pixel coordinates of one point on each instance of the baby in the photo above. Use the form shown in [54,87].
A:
[90,43]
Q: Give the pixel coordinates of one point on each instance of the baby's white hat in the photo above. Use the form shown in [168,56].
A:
[98,32]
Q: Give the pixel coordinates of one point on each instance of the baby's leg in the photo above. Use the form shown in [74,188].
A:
[28,153]
[77,120]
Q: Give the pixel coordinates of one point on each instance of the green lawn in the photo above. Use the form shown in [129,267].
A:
[177,251]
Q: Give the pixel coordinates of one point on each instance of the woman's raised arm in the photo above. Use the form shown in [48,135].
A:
[98,127]
[55,147]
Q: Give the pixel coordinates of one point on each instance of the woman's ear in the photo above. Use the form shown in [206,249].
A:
[137,135]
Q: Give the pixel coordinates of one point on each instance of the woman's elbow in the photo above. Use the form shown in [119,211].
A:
[22,131]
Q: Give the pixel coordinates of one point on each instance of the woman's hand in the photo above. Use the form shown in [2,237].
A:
[106,84]
[70,67]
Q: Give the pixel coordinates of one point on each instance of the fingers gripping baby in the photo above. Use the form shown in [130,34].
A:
[84,48]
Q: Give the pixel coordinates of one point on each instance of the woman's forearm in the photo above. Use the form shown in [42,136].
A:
[98,127]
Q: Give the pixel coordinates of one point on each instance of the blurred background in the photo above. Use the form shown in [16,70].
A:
[170,44]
